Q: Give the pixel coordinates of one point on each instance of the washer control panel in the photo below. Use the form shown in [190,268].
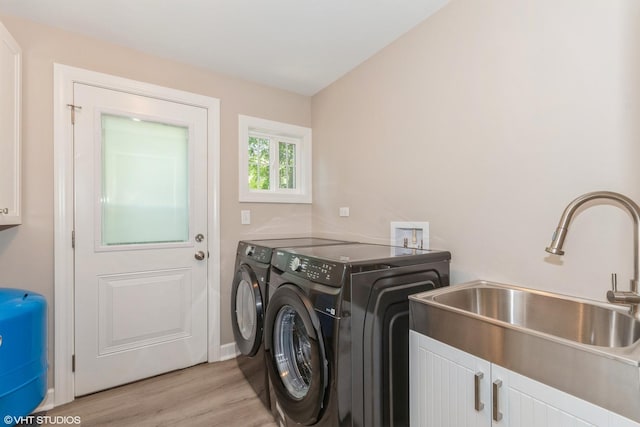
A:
[312,269]
[295,264]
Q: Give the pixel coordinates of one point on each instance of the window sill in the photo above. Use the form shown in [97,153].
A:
[275,198]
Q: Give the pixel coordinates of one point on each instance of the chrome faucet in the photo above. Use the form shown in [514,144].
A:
[557,241]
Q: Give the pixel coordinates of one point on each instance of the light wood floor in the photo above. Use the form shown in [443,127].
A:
[206,395]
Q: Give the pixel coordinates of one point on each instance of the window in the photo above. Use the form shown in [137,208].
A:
[275,161]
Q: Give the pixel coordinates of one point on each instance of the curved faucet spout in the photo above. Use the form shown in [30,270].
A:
[560,234]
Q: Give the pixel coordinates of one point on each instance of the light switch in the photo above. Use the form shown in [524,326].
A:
[245,217]
[344,211]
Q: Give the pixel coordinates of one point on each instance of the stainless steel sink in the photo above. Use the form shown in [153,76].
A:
[571,319]
[586,348]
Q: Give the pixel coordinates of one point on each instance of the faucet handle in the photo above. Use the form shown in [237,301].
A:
[614,282]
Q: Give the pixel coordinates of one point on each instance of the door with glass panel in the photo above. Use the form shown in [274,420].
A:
[140,237]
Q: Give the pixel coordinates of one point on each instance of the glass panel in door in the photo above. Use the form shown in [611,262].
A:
[145,182]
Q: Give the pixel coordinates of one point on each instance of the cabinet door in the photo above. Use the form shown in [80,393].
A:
[448,387]
[10,89]
[524,402]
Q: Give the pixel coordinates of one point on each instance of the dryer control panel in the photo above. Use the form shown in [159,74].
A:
[312,269]
[255,252]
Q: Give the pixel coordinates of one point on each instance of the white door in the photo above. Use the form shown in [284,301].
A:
[140,237]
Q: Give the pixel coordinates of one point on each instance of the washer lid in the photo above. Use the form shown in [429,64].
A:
[296,358]
[247,311]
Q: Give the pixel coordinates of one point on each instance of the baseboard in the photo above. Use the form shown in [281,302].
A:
[47,402]
[228,351]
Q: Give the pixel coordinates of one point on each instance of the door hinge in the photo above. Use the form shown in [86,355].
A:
[73,112]
[73,239]
[73,363]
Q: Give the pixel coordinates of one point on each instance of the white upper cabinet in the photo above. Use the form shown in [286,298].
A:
[10,146]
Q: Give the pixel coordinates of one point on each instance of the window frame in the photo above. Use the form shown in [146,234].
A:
[278,132]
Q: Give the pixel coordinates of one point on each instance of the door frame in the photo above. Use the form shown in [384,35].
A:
[64,77]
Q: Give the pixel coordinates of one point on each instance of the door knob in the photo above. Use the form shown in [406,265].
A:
[4,211]
[199,255]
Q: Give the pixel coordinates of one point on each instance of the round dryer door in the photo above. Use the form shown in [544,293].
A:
[247,316]
[296,356]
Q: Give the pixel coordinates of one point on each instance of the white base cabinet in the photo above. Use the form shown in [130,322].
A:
[451,388]
[10,145]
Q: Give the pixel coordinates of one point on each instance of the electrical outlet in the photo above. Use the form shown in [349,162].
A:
[344,211]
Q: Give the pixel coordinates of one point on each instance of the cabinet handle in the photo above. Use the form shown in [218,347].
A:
[497,415]
[4,211]
[479,406]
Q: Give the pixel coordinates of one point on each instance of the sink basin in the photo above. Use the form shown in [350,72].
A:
[588,349]
[573,320]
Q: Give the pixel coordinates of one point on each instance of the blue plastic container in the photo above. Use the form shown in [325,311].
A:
[23,352]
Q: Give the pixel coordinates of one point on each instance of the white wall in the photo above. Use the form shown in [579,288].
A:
[26,251]
[486,120]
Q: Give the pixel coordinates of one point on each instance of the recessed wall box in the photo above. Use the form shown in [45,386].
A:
[413,235]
